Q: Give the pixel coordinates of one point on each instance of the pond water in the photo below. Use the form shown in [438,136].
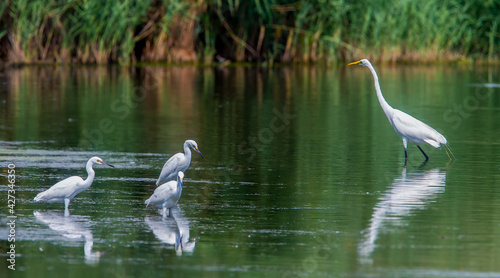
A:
[303,175]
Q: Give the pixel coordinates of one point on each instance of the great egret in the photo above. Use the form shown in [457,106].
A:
[66,189]
[410,129]
[178,162]
[167,195]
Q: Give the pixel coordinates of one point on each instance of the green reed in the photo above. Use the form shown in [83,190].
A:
[103,31]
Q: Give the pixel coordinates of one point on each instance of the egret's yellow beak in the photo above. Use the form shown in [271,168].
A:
[354,63]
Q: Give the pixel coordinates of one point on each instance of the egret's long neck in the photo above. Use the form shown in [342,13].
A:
[91,174]
[187,151]
[179,183]
[385,106]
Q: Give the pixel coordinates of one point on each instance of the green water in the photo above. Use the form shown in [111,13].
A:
[303,175]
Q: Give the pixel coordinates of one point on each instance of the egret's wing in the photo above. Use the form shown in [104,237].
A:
[66,184]
[60,189]
[170,169]
[416,130]
[165,188]
[162,193]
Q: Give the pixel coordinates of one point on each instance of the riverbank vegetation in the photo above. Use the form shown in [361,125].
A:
[204,31]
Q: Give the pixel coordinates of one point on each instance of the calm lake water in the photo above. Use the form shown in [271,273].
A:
[303,175]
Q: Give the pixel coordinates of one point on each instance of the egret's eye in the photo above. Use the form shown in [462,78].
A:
[99,161]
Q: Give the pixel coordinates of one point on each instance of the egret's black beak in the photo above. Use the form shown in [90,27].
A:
[107,164]
[198,151]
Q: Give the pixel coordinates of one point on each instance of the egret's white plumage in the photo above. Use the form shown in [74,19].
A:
[65,190]
[167,195]
[410,129]
[178,162]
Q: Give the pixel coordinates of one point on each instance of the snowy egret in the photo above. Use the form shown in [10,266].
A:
[178,162]
[66,189]
[167,195]
[410,129]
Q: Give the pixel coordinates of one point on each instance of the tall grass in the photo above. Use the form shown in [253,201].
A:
[129,31]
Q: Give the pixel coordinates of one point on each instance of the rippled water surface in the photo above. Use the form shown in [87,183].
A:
[303,175]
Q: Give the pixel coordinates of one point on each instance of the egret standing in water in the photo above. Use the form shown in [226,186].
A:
[410,129]
[66,189]
[178,162]
[167,195]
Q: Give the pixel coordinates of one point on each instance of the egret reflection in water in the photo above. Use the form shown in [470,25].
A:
[172,231]
[408,193]
[71,227]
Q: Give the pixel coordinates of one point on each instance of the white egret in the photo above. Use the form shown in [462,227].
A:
[66,189]
[178,162]
[167,195]
[410,129]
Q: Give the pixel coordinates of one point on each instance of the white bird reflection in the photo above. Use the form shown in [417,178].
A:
[71,227]
[172,231]
[407,193]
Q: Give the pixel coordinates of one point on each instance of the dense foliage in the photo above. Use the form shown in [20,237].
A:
[128,31]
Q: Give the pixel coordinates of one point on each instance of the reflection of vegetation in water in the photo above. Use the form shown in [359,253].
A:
[93,106]
[299,31]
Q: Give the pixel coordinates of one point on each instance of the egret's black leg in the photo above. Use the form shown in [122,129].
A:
[426,157]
